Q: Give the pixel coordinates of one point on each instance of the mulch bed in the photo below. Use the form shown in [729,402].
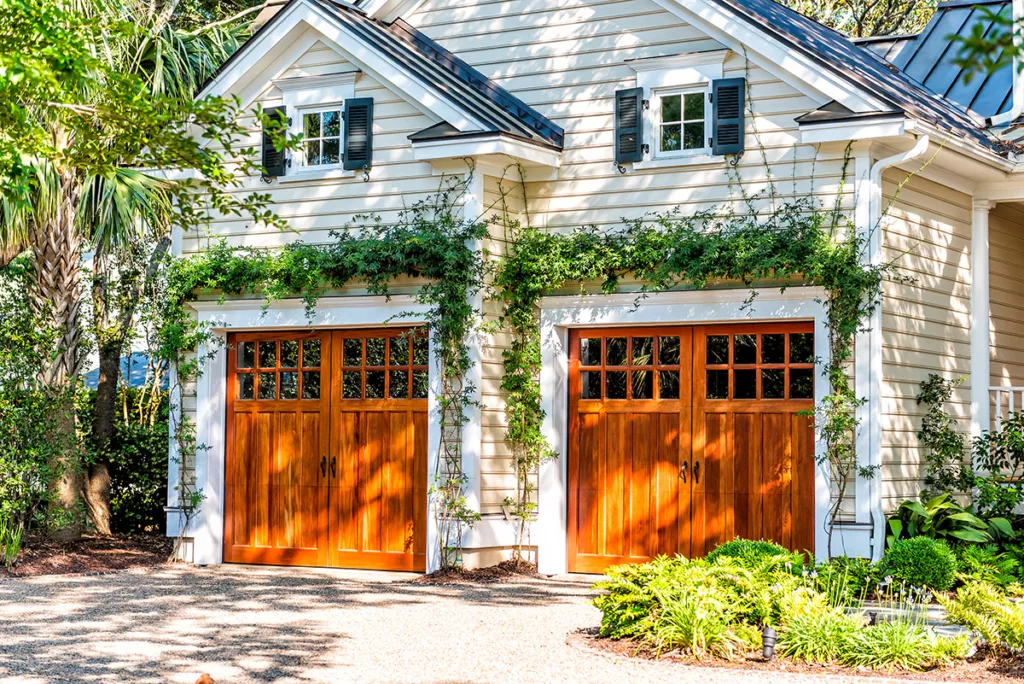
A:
[89,554]
[505,571]
[986,667]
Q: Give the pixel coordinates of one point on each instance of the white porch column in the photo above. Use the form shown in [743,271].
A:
[473,206]
[980,351]
[866,339]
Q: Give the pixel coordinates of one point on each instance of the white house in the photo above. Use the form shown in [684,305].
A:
[614,108]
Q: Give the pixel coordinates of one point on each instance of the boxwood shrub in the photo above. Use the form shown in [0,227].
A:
[751,553]
[920,562]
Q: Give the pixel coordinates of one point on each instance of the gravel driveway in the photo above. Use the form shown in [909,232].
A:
[246,624]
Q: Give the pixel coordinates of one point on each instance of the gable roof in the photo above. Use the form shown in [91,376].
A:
[835,51]
[928,57]
[463,86]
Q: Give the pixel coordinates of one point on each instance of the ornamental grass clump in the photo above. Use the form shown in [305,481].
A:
[817,637]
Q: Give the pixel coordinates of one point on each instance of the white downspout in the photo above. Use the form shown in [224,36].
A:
[874,426]
[1017,104]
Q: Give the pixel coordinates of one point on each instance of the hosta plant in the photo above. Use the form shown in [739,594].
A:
[943,518]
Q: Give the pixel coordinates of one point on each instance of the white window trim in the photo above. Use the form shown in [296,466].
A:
[308,94]
[655,123]
[690,72]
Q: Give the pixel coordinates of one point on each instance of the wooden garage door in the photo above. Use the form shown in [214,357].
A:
[684,437]
[316,475]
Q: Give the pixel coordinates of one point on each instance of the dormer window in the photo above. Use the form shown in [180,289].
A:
[321,138]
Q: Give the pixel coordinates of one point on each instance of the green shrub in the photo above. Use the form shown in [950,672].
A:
[756,555]
[845,580]
[986,563]
[948,650]
[697,622]
[627,606]
[920,562]
[943,518]
[817,637]
[987,610]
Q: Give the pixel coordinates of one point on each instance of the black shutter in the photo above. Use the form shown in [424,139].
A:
[273,158]
[629,125]
[727,105]
[359,133]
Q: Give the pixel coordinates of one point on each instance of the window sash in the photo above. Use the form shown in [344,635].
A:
[681,122]
[320,139]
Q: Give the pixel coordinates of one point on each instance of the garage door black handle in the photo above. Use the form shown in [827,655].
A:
[682,470]
[323,466]
[334,460]
[696,472]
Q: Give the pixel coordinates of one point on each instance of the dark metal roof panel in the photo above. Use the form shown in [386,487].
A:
[835,51]
[495,107]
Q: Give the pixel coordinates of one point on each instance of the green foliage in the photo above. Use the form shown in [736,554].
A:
[1000,454]
[948,469]
[30,414]
[920,562]
[429,241]
[751,553]
[845,580]
[986,563]
[817,637]
[900,644]
[985,609]
[945,519]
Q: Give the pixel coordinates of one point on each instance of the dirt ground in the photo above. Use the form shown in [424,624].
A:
[45,556]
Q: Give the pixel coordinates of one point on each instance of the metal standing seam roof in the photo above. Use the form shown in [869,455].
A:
[835,51]
[465,87]
[928,57]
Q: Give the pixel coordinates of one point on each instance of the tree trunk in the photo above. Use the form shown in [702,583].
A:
[97,474]
[57,254]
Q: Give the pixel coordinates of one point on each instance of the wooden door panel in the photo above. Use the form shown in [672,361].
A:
[378,491]
[626,503]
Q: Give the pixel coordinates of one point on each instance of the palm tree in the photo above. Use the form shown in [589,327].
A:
[83,193]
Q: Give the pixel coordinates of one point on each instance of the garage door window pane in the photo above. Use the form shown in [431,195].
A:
[268,354]
[374,384]
[351,385]
[745,384]
[399,351]
[420,383]
[311,353]
[718,349]
[289,385]
[311,384]
[801,348]
[399,388]
[616,385]
[375,351]
[246,386]
[246,354]
[668,351]
[290,354]
[801,383]
[590,385]
[718,384]
[643,384]
[643,351]
[744,349]
[268,386]
[668,384]
[773,383]
[353,355]
[615,351]
[773,348]
[590,351]
[420,351]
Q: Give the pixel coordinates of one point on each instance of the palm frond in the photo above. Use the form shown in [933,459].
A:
[121,203]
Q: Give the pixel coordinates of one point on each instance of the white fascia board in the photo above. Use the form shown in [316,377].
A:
[352,47]
[497,144]
[845,131]
[389,10]
[793,67]
[1011,190]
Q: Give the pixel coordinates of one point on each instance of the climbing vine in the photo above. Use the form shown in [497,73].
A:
[430,241]
[797,242]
